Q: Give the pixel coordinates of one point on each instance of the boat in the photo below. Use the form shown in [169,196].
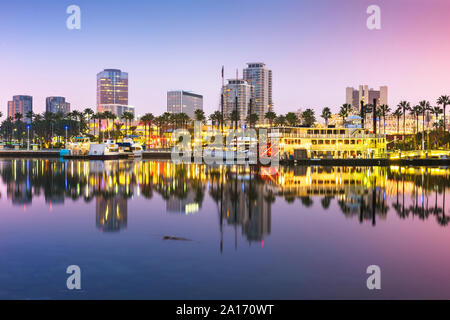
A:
[78,147]
[111,147]
[130,149]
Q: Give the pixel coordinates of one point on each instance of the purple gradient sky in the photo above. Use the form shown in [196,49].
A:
[315,49]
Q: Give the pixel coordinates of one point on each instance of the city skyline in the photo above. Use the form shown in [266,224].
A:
[330,49]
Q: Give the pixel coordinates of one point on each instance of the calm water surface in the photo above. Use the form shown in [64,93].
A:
[253,233]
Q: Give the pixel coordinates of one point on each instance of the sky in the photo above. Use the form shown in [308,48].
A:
[315,48]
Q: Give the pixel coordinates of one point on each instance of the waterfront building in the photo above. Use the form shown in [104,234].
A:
[112,88]
[180,101]
[20,104]
[243,91]
[260,78]
[331,143]
[57,105]
[354,97]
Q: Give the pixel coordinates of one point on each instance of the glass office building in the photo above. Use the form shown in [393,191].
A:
[57,105]
[20,104]
[257,75]
[183,101]
[244,92]
[112,88]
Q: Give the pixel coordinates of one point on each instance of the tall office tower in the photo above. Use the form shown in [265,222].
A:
[244,92]
[112,89]
[257,75]
[57,105]
[183,101]
[22,105]
[354,97]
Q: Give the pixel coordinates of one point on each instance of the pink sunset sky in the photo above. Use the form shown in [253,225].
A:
[314,48]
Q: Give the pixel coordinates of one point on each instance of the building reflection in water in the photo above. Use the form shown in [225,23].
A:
[244,195]
[111,213]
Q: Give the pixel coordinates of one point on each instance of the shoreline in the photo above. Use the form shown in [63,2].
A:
[52,154]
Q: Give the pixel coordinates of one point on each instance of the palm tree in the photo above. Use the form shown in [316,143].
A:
[271,116]
[384,109]
[167,119]
[78,116]
[292,119]
[113,117]
[199,115]
[326,115]
[88,113]
[308,117]
[30,115]
[416,111]
[18,125]
[184,119]
[252,119]
[444,101]
[94,117]
[344,111]
[127,117]
[216,118]
[397,114]
[147,119]
[99,116]
[280,120]
[49,119]
[424,107]
[107,116]
[405,106]
[117,130]
[436,111]
[234,117]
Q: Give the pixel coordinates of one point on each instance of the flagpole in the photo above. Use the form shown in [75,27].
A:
[221,100]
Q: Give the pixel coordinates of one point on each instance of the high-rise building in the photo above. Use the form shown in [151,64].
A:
[183,101]
[244,92]
[354,97]
[20,104]
[112,88]
[258,76]
[57,105]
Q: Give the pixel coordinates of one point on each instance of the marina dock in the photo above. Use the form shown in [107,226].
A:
[52,153]
[166,155]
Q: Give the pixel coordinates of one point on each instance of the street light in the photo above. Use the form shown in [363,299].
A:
[67,128]
[28,133]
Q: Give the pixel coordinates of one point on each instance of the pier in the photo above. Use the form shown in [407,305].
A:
[51,153]
[368,162]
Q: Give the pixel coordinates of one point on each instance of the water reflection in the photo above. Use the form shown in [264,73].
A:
[244,196]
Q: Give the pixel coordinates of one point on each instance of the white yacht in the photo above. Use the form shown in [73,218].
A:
[107,149]
[130,148]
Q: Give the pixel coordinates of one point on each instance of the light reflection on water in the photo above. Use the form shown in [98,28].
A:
[298,232]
